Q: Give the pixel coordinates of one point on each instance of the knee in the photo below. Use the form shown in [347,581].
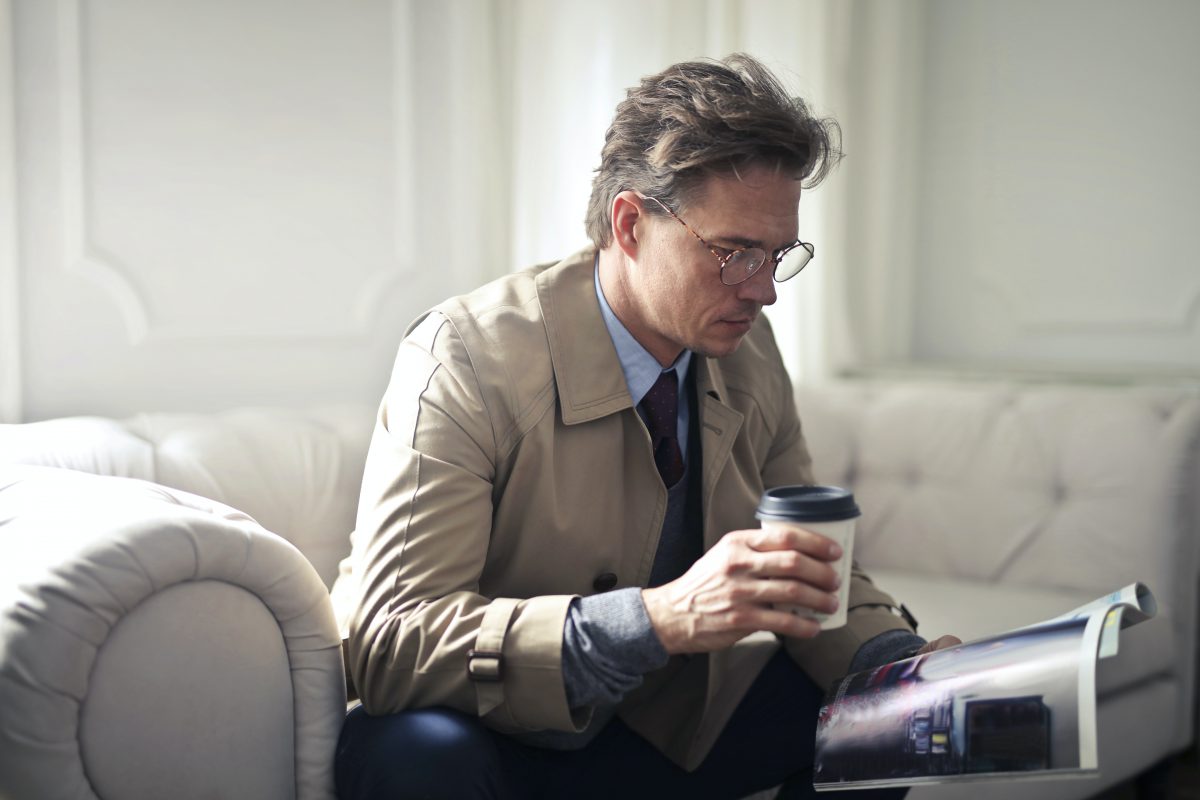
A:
[428,753]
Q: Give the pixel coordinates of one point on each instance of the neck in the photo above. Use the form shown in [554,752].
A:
[616,283]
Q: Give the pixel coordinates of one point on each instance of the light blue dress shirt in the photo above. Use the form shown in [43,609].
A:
[642,369]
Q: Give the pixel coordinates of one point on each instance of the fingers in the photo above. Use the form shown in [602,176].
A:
[795,566]
[785,592]
[940,643]
[701,614]
[751,618]
[685,631]
[744,584]
[742,557]
[785,623]
[779,538]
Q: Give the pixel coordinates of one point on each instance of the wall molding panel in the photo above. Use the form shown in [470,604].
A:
[77,255]
[1029,315]
[117,277]
[1049,237]
[404,111]
[10,287]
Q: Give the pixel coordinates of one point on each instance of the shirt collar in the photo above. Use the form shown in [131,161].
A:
[641,369]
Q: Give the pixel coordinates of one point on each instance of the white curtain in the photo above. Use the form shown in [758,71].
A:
[507,102]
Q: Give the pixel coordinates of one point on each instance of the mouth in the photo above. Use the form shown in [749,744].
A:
[740,320]
[738,324]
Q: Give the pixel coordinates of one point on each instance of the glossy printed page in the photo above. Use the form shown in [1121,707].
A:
[1021,704]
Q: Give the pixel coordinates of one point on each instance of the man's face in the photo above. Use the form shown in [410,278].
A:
[675,281]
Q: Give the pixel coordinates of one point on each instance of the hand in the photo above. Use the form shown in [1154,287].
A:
[940,643]
[730,591]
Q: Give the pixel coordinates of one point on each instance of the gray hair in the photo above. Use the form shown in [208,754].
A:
[700,118]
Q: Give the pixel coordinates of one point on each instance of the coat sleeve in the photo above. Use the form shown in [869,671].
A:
[420,634]
[826,657]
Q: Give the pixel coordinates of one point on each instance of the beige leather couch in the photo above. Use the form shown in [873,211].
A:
[988,506]
[156,642]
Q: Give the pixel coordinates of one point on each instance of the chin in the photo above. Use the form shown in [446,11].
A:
[721,350]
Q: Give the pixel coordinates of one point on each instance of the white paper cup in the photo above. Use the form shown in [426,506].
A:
[827,510]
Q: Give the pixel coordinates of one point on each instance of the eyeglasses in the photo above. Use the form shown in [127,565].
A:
[739,264]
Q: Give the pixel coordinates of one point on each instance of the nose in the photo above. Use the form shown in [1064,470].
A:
[759,288]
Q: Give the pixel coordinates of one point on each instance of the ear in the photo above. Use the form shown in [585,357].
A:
[627,212]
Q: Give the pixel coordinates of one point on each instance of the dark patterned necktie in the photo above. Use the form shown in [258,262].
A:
[661,406]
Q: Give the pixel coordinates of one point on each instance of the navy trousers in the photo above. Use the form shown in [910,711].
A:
[441,753]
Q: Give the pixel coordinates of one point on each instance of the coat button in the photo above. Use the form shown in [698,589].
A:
[604,581]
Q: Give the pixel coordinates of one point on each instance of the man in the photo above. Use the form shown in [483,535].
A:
[557,586]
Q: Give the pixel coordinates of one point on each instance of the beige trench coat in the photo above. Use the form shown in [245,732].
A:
[509,469]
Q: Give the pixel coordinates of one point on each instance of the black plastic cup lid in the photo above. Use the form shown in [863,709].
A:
[808,504]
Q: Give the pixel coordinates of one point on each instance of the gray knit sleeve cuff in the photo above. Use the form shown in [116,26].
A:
[608,645]
[885,648]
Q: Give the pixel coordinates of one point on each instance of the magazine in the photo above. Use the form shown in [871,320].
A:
[1020,704]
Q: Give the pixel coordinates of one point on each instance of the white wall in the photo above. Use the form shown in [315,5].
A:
[10,307]
[223,203]
[210,204]
[1052,205]
[227,203]
[206,215]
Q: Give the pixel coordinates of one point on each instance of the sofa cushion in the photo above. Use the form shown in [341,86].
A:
[1012,483]
[295,472]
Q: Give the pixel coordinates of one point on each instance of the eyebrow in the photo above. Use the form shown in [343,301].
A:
[742,241]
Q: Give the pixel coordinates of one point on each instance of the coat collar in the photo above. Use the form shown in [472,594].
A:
[586,368]
[591,383]
[587,371]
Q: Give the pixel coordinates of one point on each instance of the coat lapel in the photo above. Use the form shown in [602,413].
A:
[719,426]
[587,371]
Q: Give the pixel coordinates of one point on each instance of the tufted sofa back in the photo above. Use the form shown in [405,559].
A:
[296,472]
[1085,488]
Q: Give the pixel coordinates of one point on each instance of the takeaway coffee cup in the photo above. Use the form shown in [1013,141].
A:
[827,510]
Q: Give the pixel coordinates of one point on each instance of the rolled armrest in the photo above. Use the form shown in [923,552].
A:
[157,644]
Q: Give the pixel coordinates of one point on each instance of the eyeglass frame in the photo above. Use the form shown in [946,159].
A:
[776,257]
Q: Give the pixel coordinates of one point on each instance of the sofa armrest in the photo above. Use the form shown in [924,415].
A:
[157,644]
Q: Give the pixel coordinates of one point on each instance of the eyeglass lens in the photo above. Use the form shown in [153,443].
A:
[793,262]
[744,263]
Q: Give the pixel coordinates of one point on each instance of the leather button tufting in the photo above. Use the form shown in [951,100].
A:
[604,581]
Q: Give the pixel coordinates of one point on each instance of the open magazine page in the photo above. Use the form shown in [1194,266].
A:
[1021,704]
[1128,606]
